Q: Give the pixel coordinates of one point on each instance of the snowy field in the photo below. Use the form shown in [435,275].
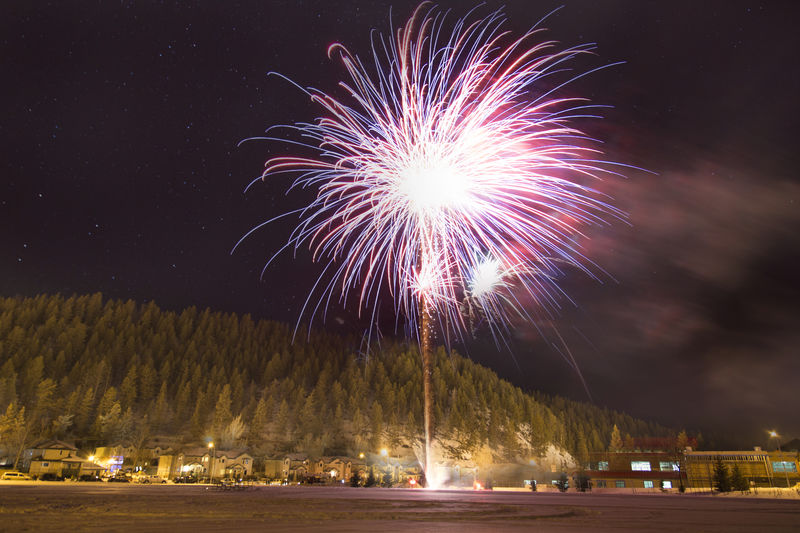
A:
[38,506]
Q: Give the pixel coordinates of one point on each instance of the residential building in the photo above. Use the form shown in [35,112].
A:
[334,468]
[202,462]
[58,458]
[297,467]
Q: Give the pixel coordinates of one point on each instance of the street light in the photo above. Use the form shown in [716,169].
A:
[211,465]
[774,435]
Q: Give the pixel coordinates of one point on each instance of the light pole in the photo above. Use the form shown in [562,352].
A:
[211,464]
[363,456]
[774,435]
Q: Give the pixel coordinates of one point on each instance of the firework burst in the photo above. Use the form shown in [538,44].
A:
[450,173]
[450,179]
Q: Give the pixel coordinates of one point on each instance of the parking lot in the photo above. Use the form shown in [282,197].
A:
[71,506]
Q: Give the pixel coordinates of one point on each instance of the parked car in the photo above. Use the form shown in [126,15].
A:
[49,476]
[15,476]
[148,478]
[89,477]
[118,479]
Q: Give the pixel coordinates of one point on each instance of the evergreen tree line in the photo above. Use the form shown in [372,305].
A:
[105,371]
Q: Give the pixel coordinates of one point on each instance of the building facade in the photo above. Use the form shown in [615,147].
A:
[635,470]
[760,468]
[57,458]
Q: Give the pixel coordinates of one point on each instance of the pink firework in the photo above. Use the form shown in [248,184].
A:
[450,176]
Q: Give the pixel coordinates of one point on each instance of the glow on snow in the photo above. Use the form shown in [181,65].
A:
[449,171]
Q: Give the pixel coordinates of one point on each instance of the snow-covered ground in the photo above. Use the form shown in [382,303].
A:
[42,506]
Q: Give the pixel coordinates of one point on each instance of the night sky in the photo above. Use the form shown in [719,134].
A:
[121,174]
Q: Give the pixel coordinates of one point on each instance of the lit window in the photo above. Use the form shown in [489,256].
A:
[602,465]
[648,484]
[619,484]
[666,466]
[666,484]
[601,483]
[641,466]
[784,466]
[552,468]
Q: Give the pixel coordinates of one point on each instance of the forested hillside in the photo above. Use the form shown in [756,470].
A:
[98,371]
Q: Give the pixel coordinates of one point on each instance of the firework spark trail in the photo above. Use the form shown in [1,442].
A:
[446,159]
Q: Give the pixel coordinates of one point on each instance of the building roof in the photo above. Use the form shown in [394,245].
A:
[628,453]
[714,453]
[233,453]
[67,459]
[335,458]
[52,444]
[196,451]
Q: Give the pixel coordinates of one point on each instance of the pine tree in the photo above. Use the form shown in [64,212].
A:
[582,451]
[42,413]
[161,411]
[198,422]
[616,441]
[61,425]
[222,411]
[376,426]
[258,423]
[83,414]
[738,481]
[283,423]
[370,482]
[128,390]
[681,441]
[722,477]
[14,431]
[628,443]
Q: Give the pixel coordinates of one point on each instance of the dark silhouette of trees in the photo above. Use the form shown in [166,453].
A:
[562,483]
